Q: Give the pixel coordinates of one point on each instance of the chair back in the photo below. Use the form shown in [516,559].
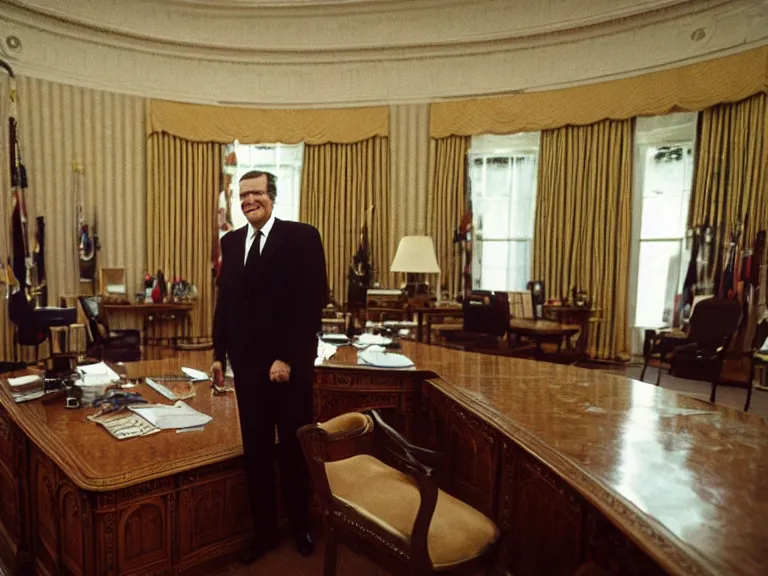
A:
[714,321]
[98,329]
[486,312]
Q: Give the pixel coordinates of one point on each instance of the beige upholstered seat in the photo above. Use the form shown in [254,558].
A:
[351,423]
[389,498]
[379,494]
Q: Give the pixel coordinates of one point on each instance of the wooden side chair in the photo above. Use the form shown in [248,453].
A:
[379,496]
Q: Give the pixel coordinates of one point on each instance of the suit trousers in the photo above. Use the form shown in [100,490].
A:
[262,406]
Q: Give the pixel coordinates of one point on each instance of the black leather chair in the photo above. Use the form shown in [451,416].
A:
[106,344]
[486,322]
[713,324]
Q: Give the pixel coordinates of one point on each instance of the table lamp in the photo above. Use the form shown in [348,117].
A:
[416,256]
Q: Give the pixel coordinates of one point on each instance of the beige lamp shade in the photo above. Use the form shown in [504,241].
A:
[416,254]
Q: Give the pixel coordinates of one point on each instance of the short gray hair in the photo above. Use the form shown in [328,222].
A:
[271,181]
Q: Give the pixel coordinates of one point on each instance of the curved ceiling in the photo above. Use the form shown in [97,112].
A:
[353,52]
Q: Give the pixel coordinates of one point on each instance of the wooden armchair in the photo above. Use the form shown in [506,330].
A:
[392,512]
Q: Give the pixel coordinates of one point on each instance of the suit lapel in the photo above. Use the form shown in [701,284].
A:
[239,248]
[274,240]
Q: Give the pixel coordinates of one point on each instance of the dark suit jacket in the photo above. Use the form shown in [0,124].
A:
[271,311]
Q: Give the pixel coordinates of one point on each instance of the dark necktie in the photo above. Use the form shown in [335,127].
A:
[254,254]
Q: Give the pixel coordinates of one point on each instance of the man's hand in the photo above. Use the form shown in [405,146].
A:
[217,374]
[280,372]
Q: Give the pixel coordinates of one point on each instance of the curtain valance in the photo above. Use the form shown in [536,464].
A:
[687,88]
[225,124]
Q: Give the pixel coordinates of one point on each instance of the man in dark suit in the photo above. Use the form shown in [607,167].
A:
[272,288]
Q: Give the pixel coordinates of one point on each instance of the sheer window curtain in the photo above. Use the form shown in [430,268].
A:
[503,174]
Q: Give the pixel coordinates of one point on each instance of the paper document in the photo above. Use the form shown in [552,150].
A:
[325,351]
[125,425]
[196,375]
[384,359]
[165,417]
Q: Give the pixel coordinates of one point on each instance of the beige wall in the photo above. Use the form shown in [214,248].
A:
[61,124]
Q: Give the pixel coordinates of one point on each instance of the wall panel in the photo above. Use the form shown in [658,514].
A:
[409,168]
[61,124]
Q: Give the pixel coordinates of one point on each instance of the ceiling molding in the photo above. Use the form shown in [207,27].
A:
[682,33]
[457,23]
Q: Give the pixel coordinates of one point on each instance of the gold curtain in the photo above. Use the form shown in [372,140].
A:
[730,180]
[447,202]
[582,235]
[182,190]
[339,184]
[685,88]
[225,124]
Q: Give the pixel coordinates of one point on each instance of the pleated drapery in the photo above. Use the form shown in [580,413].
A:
[582,234]
[685,88]
[182,187]
[446,203]
[339,185]
[225,124]
[730,181]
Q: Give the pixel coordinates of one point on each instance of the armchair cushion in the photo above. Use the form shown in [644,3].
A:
[391,499]
[351,423]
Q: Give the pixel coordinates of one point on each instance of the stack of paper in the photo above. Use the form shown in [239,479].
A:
[26,383]
[95,379]
[164,417]
[25,388]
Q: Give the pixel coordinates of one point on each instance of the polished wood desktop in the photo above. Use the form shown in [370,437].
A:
[599,468]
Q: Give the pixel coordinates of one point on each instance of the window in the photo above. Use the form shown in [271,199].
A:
[663,181]
[503,171]
[282,160]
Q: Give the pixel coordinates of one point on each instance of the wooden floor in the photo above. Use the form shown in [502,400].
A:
[286,561]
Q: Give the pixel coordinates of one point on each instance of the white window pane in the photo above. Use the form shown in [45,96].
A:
[491,216]
[519,266]
[498,181]
[659,269]
[666,191]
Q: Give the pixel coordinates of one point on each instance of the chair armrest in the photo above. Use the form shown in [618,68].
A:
[423,459]
[407,459]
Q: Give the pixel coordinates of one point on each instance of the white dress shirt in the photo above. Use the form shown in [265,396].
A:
[252,234]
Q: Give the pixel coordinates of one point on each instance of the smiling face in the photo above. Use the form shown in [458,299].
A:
[255,201]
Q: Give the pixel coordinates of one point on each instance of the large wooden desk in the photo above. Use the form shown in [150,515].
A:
[574,465]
